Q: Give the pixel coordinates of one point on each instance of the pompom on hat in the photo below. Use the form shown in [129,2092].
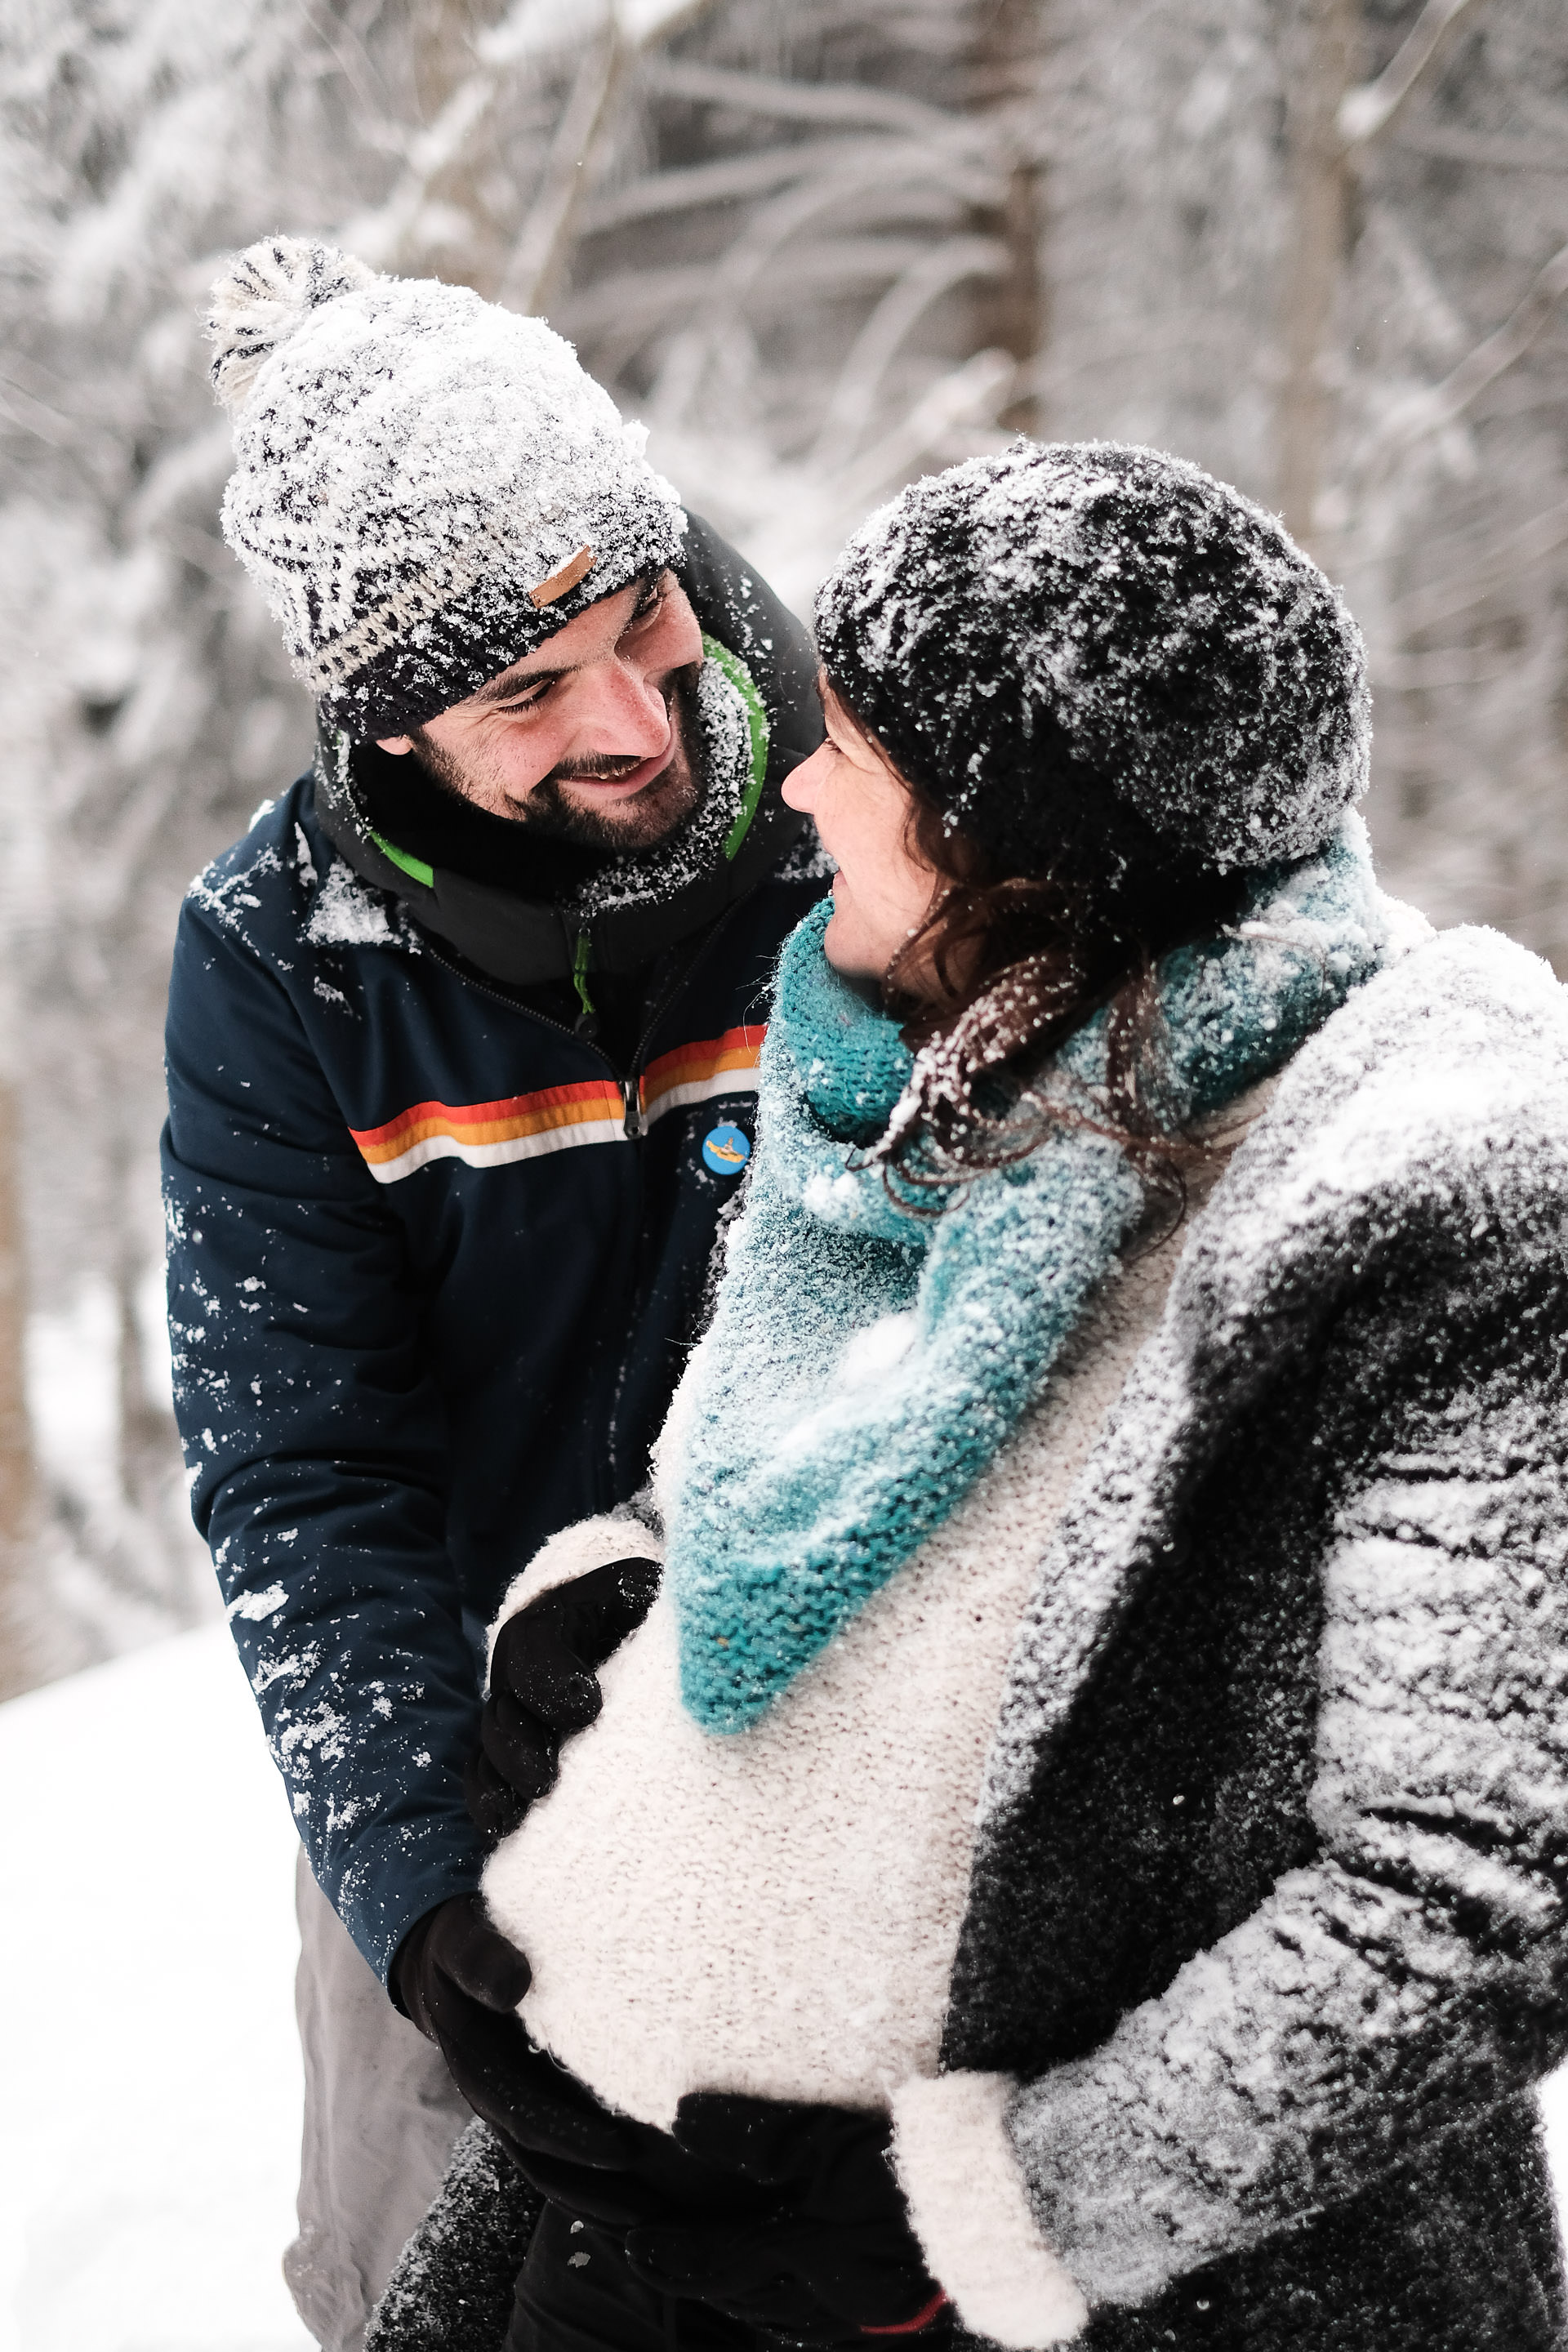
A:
[427,486]
[1101,647]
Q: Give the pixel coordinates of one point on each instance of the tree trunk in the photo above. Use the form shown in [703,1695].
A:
[17,1479]
[1009,49]
[1320,62]
[472,188]
[147,1434]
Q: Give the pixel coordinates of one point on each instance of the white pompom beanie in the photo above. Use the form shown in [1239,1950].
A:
[426,486]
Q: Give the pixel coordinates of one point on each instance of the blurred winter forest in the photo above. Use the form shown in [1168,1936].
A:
[820,245]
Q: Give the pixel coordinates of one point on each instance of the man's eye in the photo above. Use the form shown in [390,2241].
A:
[525,701]
[656,603]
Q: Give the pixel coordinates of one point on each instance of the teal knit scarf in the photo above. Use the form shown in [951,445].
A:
[866,1361]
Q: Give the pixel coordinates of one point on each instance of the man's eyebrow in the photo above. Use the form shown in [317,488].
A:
[502,688]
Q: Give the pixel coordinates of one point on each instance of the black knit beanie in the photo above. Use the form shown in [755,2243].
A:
[1086,646]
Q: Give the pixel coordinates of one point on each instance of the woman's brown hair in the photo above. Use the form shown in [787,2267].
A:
[1006,967]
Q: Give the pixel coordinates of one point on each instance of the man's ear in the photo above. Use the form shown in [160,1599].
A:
[396,744]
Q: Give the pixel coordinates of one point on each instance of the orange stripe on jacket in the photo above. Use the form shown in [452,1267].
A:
[491,1122]
[688,1074]
[555,1118]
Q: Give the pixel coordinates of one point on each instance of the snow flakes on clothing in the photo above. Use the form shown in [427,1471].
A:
[866,1361]
[263,298]
[1266,1939]
[1345,1444]
[451,2288]
[411,463]
[338,909]
[1042,636]
[349,914]
[228,889]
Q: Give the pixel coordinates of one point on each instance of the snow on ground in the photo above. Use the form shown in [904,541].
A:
[1555,2107]
[151,2078]
[150,2081]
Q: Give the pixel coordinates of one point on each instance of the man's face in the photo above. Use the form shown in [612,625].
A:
[585,738]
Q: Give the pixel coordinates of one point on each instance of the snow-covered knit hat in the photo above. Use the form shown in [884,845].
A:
[426,486]
[1087,644]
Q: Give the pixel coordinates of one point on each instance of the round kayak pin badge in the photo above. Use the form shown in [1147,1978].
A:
[726,1149]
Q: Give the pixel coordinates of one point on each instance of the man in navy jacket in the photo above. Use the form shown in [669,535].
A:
[462,1043]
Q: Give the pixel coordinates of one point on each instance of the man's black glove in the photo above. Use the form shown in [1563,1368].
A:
[543,1685]
[459,1981]
[832,2260]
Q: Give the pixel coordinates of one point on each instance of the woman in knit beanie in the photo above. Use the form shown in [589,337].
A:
[1074,1850]
[1110,691]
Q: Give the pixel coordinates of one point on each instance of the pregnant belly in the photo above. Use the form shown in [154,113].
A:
[774,1911]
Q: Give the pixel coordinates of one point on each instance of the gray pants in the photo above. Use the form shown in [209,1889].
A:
[381,2115]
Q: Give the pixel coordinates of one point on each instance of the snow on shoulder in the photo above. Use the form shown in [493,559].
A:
[349,914]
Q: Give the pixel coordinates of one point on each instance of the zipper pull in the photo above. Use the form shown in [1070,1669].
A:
[636,1125]
[587,1022]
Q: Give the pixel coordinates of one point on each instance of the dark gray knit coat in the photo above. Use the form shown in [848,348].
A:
[1269,1910]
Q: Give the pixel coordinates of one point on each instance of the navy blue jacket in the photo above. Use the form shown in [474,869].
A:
[429,1294]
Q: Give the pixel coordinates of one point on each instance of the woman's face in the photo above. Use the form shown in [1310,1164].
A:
[882,893]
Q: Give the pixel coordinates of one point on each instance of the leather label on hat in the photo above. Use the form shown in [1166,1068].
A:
[559,582]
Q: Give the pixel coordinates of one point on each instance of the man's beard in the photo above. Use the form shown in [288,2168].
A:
[650,817]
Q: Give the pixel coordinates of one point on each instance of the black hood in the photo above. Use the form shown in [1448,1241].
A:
[512,927]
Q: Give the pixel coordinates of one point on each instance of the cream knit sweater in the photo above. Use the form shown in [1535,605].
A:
[776,1911]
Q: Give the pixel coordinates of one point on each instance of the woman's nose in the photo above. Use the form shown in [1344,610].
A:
[799,787]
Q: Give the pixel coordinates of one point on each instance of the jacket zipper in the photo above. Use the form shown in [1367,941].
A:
[633,1127]
[631,1086]
[634,1124]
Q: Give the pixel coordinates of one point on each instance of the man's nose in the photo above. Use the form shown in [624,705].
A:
[624,709]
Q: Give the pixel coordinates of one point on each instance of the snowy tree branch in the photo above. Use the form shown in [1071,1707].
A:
[894,167]
[848,105]
[1508,343]
[1433,411]
[926,279]
[1448,146]
[1485,569]
[1365,113]
[35,416]
[620,313]
[541,247]
[387,235]
[969,395]
[737,179]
